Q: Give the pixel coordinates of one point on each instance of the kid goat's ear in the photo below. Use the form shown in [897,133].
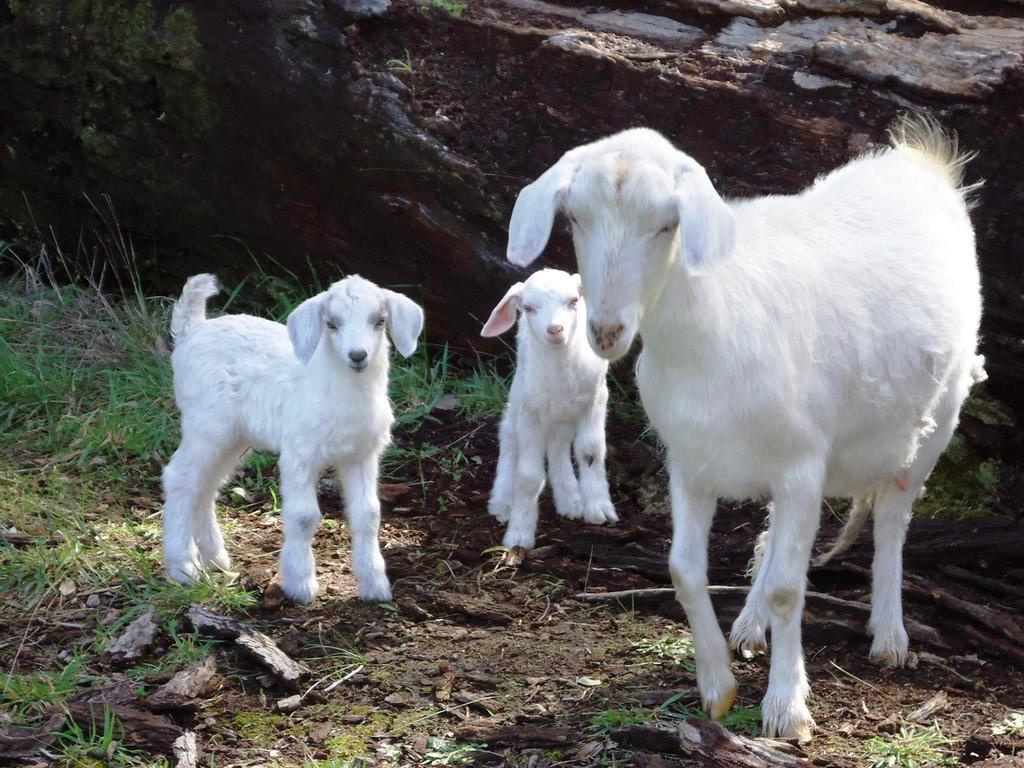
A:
[405,321]
[503,316]
[305,326]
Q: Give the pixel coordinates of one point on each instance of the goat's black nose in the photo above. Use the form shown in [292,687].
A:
[357,355]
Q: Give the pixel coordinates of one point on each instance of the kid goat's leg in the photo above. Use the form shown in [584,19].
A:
[529,482]
[362,506]
[590,457]
[300,514]
[503,491]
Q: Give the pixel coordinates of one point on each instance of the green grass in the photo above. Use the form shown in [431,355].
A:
[909,748]
[1011,725]
[452,7]
[676,648]
[25,696]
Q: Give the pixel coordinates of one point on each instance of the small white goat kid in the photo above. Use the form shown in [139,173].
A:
[557,401]
[315,392]
[794,346]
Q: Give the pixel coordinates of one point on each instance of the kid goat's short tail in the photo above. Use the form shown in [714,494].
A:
[191,307]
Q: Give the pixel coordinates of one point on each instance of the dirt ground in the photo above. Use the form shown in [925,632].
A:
[472,643]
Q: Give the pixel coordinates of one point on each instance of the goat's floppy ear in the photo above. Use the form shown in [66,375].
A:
[579,282]
[503,316]
[534,211]
[707,225]
[405,321]
[306,325]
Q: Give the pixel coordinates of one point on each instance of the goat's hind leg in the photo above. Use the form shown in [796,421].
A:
[205,531]
[187,480]
[749,630]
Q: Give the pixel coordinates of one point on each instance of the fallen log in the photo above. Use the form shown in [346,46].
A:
[527,735]
[715,746]
[995,586]
[135,727]
[252,643]
[18,742]
[925,591]
[919,632]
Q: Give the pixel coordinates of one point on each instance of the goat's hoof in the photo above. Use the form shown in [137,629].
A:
[717,699]
[183,573]
[600,512]
[499,511]
[521,539]
[783,718]
[218,560]
[301,591]
[375,591]
[889,647]
[573,510]
[748,635]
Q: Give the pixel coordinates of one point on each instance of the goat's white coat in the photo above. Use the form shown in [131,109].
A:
[556,403]
[304,392]
[794,346]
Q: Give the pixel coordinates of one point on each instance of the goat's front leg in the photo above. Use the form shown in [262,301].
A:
[692,514]
[784,573]
[564,486]
[529,482]
[300,514]
[504,488]
[590,456]
[363,508]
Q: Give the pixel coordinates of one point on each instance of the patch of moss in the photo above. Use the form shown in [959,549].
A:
[262,729]
[964,486]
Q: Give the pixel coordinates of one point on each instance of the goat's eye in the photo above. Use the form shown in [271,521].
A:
[331,325]
[573,303]
[379,322]
[530,310]
[667,229]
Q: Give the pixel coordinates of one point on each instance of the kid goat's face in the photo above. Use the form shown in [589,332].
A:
[550,302]
[354,320]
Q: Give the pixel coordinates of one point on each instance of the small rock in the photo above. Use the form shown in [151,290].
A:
[67,588]
[93,601]
[289,704]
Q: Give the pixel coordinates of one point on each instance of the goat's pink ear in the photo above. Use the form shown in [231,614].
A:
[706,224]
[503,316]
[535,208]
[305,326]
[579,282]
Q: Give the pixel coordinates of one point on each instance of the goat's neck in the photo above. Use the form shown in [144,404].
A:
[685,315]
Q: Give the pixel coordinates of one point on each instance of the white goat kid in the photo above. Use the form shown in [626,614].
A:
[314,392]
[557,401]
[794,346]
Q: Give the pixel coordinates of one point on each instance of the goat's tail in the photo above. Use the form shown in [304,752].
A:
[854,523]
[924,136]
[190,308]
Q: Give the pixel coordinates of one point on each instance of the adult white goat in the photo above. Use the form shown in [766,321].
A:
[244,382]
[556,403]
[794,346]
